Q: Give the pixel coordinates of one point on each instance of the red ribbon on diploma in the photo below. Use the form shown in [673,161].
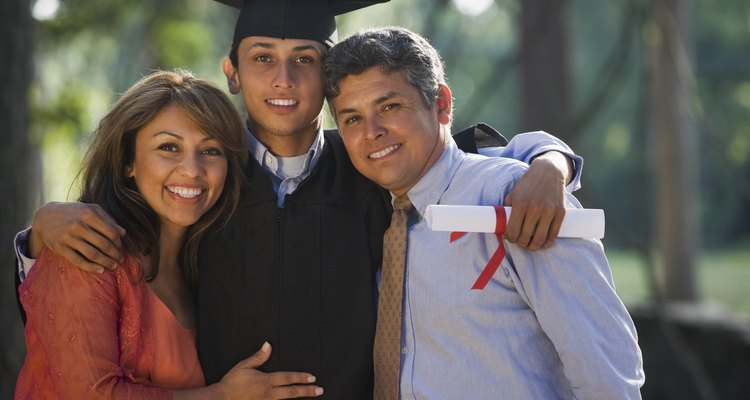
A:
[497,257]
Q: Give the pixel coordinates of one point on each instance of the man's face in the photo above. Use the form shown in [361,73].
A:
[391,136]
[282,85]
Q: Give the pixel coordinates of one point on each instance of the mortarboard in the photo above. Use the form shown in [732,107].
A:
[292,19]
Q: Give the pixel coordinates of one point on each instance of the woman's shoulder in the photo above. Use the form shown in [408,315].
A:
[54,273]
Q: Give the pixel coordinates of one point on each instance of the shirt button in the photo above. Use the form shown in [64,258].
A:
[404,350]
[269,160]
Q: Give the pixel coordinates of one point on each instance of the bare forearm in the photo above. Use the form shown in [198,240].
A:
[558,161]
[208,392]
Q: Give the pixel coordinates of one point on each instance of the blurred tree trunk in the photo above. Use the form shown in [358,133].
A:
[545,67]
[18,188]
[676,158]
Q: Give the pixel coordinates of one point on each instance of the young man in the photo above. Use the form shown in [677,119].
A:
[296,264]
[547,325]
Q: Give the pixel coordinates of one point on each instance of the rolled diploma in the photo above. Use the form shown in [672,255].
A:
[578,222]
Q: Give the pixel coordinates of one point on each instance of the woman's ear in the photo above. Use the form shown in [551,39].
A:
[233,82]
[444,104]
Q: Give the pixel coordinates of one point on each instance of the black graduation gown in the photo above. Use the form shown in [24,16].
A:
[301,277]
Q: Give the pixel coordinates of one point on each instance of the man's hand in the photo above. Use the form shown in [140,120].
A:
[538,202]
[84,234]
[245,381]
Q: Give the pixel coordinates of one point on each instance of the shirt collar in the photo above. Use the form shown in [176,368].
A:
[262,155]
[435,182]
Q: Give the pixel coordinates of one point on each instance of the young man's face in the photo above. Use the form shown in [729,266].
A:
[282,85]
[391,136]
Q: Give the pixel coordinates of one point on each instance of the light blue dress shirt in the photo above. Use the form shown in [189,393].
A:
[549,324]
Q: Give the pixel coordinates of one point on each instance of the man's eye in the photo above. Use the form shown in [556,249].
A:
[263,58]
[305,60]
[352,120]
[391,106]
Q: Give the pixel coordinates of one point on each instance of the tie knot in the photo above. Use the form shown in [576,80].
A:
[403,203]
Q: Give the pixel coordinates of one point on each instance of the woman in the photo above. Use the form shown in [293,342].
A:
[166,162]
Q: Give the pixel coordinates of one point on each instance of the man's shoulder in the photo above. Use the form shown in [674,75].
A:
[498,167]
[332,136]
[484,180]
[333,147]
[335,170]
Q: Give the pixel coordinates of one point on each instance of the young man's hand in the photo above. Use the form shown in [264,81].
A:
[82,233]
[538,202]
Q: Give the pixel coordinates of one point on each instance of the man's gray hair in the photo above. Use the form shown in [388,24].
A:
[393,49]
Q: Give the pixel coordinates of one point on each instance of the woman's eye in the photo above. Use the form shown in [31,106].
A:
[213,151]
[171,147]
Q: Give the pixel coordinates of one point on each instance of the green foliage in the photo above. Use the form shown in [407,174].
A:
[722,68]
[90,52]
[182,42]
[722,277]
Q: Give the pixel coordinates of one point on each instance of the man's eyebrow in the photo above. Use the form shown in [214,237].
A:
[268,45]
[380,100]
[306,48]
[264,45]
[385,97]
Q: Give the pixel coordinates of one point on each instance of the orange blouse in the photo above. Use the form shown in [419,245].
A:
[101,336]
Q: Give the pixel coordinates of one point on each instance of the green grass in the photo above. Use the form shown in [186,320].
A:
[723,278]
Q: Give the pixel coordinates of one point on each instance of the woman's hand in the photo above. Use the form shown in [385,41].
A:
[245,381]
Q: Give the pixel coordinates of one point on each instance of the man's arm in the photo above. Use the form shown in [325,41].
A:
[538,199]
[571,291]
[84,234]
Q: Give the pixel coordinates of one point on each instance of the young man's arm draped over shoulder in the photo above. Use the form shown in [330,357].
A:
[538,199]
[89,238]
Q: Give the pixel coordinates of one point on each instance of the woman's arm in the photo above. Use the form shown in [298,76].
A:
[74,317]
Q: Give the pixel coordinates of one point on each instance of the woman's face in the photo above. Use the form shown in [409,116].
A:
[178,169]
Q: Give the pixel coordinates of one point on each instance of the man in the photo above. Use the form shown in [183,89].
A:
[296,264]
[547,325]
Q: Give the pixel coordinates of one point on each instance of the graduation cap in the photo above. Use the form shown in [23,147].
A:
[292,19]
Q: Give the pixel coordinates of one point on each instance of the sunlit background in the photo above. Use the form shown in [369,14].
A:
[88,52]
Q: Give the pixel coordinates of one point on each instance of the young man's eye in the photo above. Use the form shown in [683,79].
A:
[352,120]
[305,60]
[263,58]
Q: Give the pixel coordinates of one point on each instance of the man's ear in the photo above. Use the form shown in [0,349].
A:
[444,105]
[233,82]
